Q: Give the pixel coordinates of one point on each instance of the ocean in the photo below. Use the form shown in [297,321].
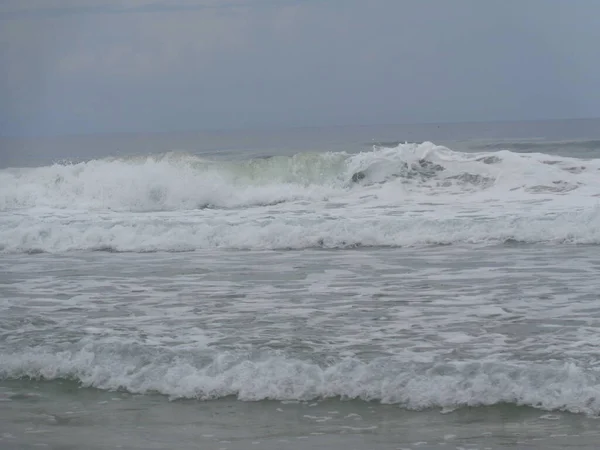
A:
[378,287]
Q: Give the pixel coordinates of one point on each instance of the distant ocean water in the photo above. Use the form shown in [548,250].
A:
[423,287]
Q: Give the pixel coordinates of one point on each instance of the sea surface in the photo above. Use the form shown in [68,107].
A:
[392,287]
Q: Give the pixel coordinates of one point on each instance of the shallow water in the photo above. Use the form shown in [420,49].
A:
[59,415]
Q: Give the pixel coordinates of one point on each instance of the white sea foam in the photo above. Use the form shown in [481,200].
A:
[548,386]
[295,232]
[427,328]
[412,194]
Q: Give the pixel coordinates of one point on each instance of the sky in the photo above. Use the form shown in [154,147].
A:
[94,66]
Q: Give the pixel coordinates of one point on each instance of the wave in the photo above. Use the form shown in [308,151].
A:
[253,377]
[407,195]
[179,181]
[155,234]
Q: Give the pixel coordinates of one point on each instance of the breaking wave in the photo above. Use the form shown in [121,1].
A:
[179,181]
[408,194]
[409,384]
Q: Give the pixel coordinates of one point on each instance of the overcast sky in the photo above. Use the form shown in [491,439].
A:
[79,66]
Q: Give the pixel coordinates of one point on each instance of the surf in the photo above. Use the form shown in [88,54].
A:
[410,194]
[181,181]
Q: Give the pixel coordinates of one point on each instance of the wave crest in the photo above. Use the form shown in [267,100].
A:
[412,385]
[179,181]
[411,194]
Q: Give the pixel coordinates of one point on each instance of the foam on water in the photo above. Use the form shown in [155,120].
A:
[435,328]
[304,230]
[392,380]
[178,181]
[411,194]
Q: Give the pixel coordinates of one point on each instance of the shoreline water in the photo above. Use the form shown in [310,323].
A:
[56,416]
